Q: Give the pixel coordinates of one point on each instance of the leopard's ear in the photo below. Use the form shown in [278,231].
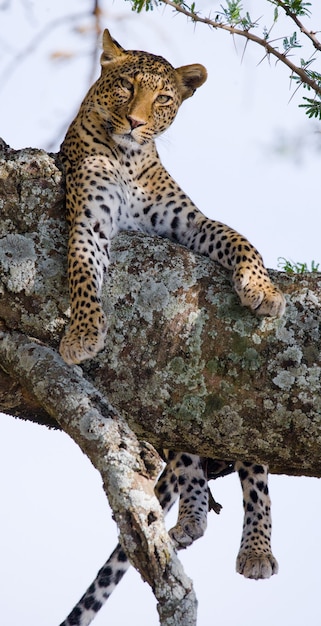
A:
[111,49]
[189,78]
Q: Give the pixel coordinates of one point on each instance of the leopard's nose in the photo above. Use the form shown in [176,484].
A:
[135,122]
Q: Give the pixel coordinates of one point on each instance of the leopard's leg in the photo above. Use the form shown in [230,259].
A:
[117,565]
[175,216]
[87,262]
[255,558]
[93,208]
[193,498]
[250,277]
[166,488]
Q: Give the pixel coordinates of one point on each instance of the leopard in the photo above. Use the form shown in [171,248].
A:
[115,181]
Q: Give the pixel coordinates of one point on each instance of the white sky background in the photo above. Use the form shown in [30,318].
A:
[56,528]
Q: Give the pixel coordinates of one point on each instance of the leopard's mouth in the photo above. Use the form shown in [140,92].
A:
[126,137]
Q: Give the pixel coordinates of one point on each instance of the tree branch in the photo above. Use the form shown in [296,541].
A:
[128,468]
[185,366]
[268,48]
[308,33]
[184,363]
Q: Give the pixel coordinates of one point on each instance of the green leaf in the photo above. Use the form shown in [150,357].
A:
[292,267]
[312,108]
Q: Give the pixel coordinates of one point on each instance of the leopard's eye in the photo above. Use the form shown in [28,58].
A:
[126,84]
[163,99]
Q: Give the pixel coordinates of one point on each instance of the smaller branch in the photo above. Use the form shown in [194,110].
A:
[251,37]
[310,34]
[114,450]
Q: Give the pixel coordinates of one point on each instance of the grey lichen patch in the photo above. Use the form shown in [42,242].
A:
[228,424]
[145,296]
[189,371]
[85,425]
[191,408]
[284,380]
[33,263]
[163,267]
[268,404]
[232,420]
[34,183]
[242,326]
[17,263]
[250,403]
[196,325]
[153,296]
[285,335]
[290,356]
[302,422]
[311,378]
[271,324]
[293,368]
[256,338]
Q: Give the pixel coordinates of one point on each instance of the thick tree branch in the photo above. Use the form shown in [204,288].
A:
[184,363]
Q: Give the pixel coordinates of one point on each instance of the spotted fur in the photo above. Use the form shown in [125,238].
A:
[115,181]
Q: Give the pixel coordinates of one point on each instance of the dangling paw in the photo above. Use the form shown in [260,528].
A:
[256,565]
[186,532]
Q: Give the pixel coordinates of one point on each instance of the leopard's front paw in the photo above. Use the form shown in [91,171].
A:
[256,565]
[257,292]
[79,344]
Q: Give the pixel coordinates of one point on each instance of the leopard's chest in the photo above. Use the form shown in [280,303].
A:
[115,186]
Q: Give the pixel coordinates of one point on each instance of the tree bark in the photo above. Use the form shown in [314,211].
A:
[185,367]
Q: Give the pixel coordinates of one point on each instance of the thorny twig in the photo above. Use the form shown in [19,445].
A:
[310,34]
[269,49]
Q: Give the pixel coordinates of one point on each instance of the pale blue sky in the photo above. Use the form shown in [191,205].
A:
[56,529]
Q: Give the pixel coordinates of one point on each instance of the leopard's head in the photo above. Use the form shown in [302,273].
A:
[138,94]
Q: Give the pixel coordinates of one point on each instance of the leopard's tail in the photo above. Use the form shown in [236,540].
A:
[117,565]
[100,589]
